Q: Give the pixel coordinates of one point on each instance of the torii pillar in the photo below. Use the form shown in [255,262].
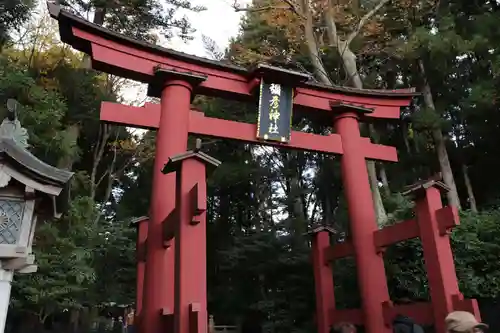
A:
[141,225]
[435,223]
[187,223]
[175,90]
[323,277]
[363,222]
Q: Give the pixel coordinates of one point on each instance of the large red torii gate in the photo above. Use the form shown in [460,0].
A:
[175,299]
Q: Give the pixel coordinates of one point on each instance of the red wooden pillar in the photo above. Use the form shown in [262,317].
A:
[433,221]
[190,314]
[190,249]
[142,234]
[323,278]
[175,90]
[370,266]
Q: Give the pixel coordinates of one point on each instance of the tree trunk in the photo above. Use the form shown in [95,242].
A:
[74,130]
[404,129]
[99,20]
[90,319]
[415,142]
[312,45]
[296,212]
[99,149]
[385,181]
[74,320]
[470,192]
[439,142]
[66,162]
[349,61]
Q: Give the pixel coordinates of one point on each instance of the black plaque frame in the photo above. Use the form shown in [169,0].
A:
[275,130]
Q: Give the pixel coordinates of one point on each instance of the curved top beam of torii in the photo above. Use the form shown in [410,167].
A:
[123,56]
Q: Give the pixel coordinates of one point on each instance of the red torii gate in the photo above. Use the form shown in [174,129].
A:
[175,229]
[432,224]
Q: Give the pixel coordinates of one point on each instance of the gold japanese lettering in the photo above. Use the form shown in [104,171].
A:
[274,108]
[275,89]
[274,103]
[274,116]
[273,128]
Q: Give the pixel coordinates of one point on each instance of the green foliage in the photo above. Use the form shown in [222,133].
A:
[13,13]
[73,253]
[63,257]
[40,111]
[115,263]
[475,246]
[401,207]
[426,119]
[138,19]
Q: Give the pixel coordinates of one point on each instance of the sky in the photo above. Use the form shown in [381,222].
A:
[220,22]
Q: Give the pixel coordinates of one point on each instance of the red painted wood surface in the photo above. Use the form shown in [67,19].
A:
[447,218]
[432,224]
[198,197]
[133,63]
[148,117]
[370,265]
[439,263]
[116,54]
[392,234]
[171,139]
[142,234]
[323,281]
[190,250]
[174,120]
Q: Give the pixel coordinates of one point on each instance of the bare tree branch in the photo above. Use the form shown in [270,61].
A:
[331,27]
[212,48]
[288,5]
[312,44]
[295,8]
[103,136]
[111,179]
[237,8]
[365,19]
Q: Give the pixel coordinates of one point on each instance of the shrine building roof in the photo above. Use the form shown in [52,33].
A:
[68,21]
[28,163]
[17,162]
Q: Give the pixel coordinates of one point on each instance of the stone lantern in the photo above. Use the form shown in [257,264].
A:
[29,189]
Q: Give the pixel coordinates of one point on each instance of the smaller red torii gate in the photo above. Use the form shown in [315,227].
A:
[432,224]
[174,289]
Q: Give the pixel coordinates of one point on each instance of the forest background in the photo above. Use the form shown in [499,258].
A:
[261,200]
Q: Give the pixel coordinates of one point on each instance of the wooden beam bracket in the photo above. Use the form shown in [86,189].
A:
[167,319]
[447,218]
[198,202]
[194,317]
[168,227]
